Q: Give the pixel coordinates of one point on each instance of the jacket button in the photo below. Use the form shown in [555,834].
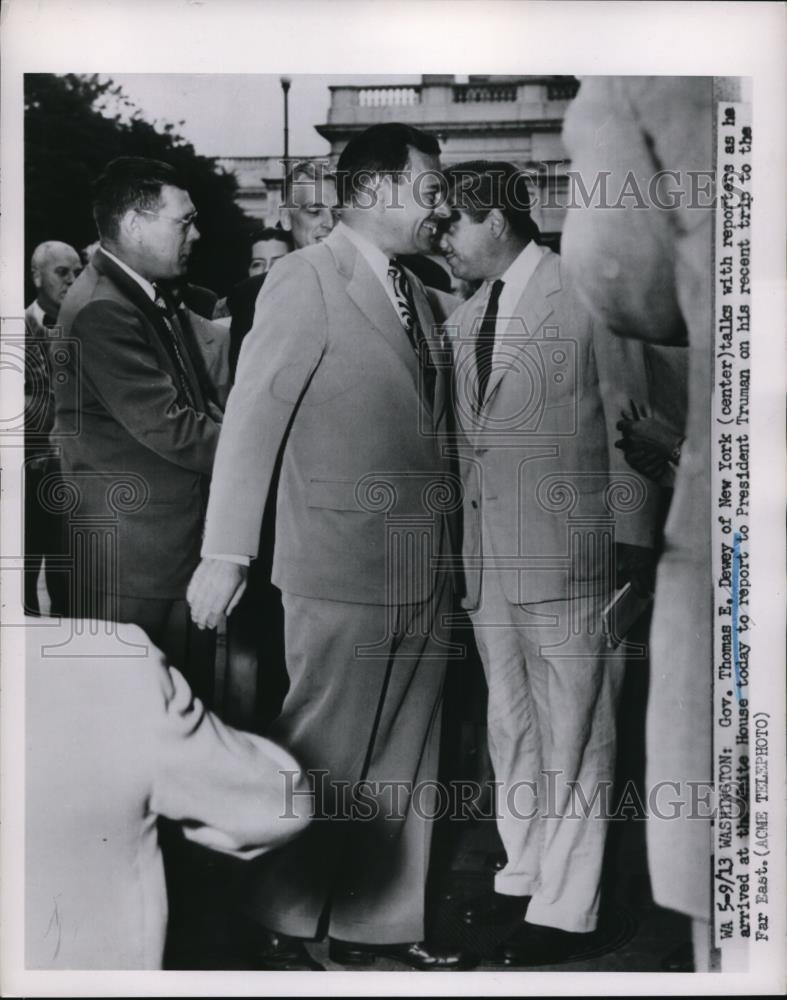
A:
[474,504]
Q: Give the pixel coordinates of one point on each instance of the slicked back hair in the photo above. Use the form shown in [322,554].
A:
[380,149]
[129,182]
[477,186]
[315,170]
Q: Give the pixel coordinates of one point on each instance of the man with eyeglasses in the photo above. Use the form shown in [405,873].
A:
[148,422]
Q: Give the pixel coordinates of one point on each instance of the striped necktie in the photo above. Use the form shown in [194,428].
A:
[485,341]
[404,303]
[176,347]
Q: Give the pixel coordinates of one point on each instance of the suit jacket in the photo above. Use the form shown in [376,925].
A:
[115,739]
[328,381]
[139,465]
[39,397]
[241,302]
[537,459]
[213,341]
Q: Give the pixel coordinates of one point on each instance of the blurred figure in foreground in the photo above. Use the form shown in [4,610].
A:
[114,740]
[647,273]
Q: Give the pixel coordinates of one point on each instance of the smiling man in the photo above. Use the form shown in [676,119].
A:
[337,381]
[309,203]
[140,463]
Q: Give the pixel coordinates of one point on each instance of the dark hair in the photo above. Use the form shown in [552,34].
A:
[271,233]
[477,186]
[380,149]
[129,182]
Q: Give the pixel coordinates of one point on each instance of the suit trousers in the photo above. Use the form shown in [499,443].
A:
[553,693]
[362,717]
[45,541]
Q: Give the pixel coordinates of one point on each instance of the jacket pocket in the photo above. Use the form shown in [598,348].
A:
[330,494]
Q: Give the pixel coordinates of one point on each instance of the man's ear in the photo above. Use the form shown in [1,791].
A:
[35,274]
[285,218]
[497,223]
[375,191]
[130,226]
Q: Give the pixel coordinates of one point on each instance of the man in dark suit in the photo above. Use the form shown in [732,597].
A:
[148,427]
[54,268]
[339,380]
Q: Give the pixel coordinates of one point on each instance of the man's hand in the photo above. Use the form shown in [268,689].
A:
[648,444]
[215,588]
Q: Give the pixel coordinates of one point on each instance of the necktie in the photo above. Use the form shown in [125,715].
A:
[176,348]
[485,342]
[407,314]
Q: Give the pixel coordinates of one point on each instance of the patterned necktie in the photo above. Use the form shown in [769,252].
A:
[176,348]
[407,314]
[485,342]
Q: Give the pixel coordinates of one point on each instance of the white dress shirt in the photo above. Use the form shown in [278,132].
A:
[515,279]
[373,256]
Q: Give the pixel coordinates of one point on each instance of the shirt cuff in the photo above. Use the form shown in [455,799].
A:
[240,560]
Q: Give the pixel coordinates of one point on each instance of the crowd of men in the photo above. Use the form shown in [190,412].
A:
[348,456]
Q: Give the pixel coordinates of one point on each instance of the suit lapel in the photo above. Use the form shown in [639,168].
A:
[465,373]
[439,348]
[368,294]
[136,293]
[531,312]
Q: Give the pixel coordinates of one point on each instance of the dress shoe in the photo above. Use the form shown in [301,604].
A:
[273,952]
[493,908]
[418,956]
[535,944]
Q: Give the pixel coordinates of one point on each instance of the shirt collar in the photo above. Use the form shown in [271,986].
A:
[520,271]
[144,284]
[373,255]
[38,312]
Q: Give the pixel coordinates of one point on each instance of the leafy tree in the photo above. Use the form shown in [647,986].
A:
[68,142]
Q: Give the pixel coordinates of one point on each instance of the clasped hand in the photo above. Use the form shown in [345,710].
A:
[214,590]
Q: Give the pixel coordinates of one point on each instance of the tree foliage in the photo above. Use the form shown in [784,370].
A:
[68,142]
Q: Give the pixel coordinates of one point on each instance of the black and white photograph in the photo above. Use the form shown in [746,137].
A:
[392,515]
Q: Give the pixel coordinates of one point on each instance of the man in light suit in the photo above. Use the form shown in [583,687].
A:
[147,420]
[256,678]
[538,393]
[340,381]
[115,739]
[54,268]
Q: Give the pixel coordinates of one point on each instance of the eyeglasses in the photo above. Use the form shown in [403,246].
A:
[183,224]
